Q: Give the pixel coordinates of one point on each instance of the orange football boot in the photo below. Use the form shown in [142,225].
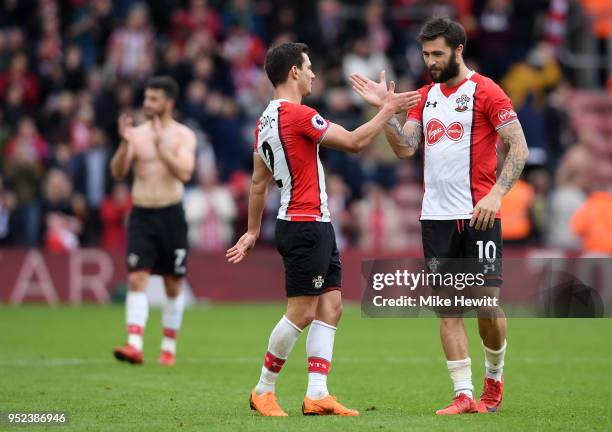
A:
[266,405]
[326,406]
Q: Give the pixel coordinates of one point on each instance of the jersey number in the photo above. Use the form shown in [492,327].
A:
[268,153]
[487,251]
[179,260]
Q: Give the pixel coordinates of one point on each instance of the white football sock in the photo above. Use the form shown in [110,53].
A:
[281,343]
[494,362]
[319,349]
[172,317]
[461,373]
[136,314]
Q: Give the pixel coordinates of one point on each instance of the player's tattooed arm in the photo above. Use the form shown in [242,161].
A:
[483,216]
[404,140]
[513,138]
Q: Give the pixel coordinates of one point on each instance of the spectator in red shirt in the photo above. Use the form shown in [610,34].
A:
[198,17]
[18,74]
[113,213]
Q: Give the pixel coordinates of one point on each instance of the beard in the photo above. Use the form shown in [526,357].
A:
[449,72]
[154,113]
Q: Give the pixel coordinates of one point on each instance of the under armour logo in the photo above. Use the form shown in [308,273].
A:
[433,104]
[489,268]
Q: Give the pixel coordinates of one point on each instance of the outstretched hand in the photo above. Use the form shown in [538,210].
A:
[241,249]
[372,92]
[377,94]
[396,102]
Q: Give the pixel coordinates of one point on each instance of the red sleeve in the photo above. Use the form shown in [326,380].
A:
[498,107]
[416,113]
[310,123]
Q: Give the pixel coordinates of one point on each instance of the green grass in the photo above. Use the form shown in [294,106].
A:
[558,373]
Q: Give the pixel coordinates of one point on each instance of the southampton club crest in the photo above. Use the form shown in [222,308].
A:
[433,264]
[318,282]
[462,102]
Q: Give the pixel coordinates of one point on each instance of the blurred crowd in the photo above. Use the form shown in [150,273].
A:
[68,68]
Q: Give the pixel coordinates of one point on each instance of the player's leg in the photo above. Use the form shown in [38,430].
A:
[140,259]
[442,239]
[299,314]
[136,314]
[172,318]
[486,246]
[455,344]
[320,343]
[322,332]
[293,245]
[171,234]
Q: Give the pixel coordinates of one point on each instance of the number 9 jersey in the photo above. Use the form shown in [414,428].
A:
[287,137]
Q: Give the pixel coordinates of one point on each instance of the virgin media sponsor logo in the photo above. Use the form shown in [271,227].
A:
[506,114]
[435,130]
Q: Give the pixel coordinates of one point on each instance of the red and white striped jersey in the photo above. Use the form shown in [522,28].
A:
[460,136]
[287,138]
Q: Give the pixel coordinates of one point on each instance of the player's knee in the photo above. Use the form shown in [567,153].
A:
[173,286]
[305,319]
[485,324]
[137,281]
[336,312]
[451,323]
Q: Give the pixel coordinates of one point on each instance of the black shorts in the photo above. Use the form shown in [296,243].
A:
[157,240]
[465,249]
[310,256]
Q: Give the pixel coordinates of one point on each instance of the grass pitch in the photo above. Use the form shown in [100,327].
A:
[558,373]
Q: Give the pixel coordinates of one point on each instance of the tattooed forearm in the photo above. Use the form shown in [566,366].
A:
[404,143]
[514,139]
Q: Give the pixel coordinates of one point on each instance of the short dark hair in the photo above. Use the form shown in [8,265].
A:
[452,32]
[280,60]
[165,83]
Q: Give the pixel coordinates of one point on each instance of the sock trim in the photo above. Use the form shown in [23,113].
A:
[291,324]
[135,329]
[324,324]
[464,362]
[499,351]
[318,365]
[170,333]
[273,363]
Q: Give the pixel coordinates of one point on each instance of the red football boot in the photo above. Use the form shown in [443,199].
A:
[462,404]
[491,398]
[129,354]
[166,358]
